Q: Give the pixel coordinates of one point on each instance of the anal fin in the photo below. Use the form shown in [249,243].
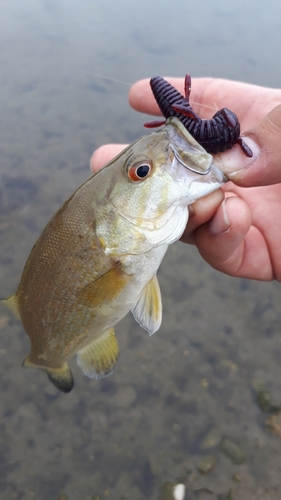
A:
[61,377]
[99,358]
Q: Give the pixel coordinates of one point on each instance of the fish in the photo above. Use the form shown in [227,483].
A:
[98,256]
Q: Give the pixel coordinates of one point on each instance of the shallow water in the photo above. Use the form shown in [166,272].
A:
[123,437]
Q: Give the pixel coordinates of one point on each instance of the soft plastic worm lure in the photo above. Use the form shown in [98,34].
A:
[216,135]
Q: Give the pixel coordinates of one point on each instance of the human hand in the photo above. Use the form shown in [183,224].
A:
[237,230]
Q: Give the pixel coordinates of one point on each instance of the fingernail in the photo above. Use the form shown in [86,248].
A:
[220,223]
[233,160]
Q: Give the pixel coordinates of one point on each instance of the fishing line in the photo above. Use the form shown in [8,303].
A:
[128,84]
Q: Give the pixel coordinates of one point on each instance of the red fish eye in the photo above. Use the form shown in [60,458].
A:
[139,172]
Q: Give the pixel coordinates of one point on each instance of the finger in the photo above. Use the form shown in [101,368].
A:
[200,212]
[141,98]
[104,154]
[231,250]
[263,168]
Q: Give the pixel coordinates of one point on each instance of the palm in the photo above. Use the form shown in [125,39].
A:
[251,104]
[263,238]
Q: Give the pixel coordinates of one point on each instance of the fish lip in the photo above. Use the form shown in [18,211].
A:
[188,167]
[188,152]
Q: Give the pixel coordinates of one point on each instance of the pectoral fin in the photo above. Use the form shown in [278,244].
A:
[12,304]
[148,309]
[99,358]
[61,377]
[106,287]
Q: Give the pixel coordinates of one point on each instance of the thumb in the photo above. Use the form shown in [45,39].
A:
[264,167]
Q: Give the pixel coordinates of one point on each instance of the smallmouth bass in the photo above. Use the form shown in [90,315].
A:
[98,256]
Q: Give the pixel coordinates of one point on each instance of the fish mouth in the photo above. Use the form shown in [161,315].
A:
[188,152]
[190,165]
[183,161]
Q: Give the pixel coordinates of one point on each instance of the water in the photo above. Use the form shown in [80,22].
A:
[123,437]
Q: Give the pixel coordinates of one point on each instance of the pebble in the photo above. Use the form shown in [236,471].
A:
[172,491]
[264,401]
[206,464]
[212,438]
[273,424]
[232,450]
[62,496]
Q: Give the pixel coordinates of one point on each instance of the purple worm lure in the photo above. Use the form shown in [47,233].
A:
[216,135]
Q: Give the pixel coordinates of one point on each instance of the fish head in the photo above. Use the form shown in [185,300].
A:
[157,177]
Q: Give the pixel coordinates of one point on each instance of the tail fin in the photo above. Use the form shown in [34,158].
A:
[61,377]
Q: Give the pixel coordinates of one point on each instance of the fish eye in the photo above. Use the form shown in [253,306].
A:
[139,171]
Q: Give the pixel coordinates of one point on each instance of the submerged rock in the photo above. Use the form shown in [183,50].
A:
[206,464]
[172,491]
[232,450]
[212,438]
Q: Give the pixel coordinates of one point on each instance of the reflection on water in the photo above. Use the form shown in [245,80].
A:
[175,397]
